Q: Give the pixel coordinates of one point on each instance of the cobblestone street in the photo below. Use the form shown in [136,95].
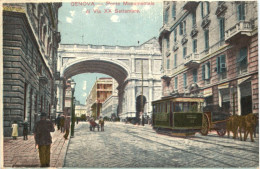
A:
[126,145]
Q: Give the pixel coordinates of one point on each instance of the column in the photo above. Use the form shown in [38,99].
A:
[133,97]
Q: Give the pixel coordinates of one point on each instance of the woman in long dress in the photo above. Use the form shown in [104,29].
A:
[15,130]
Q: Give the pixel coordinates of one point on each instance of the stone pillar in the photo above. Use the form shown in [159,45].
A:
[150,97]
[133,97]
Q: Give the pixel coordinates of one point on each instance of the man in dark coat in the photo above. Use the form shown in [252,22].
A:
[43,139]
[58,122]
[25,131]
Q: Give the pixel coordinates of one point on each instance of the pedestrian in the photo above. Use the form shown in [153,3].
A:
[25,131]
[43,139]
[67,127]
[101,122]
[58,122]
[62,123]
[77,120]
[15,130]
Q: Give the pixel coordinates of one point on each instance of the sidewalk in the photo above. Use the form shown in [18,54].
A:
[22,153]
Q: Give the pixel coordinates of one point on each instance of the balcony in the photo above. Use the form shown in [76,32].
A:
[192,60]
[43,80]
[175,46]
[165,29]
[221,8]
[205,22]
[184,40]
[240,30]
[190,5]
[194,32]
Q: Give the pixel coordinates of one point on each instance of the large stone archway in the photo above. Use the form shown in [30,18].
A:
[123,63]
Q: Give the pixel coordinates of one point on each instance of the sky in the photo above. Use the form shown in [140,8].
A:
[78,24]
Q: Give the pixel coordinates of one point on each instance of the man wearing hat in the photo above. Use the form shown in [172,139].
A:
[43,140]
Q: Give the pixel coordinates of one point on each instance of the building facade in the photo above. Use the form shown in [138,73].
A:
[100,91]
[110,105]
[210,49]
[30,42]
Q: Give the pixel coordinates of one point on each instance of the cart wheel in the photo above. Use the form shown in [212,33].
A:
[205,125]
[221,132]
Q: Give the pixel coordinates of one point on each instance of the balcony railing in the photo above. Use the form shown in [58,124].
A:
[240,29]
[192,60]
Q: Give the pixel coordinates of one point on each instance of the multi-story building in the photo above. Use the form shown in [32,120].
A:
[30,42]
[101,90]
[110,105]
[80,109]
[210,49]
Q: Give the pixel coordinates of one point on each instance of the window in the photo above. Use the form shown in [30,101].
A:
[194,73]
[194,46]
[204,9]
[167,42]
[221,64]
[184,27]
[222,28]
[242,60]
[176,83]
[241,11]
[166,15]
[206,71]
[175,35]
[184,80]
[174,11]
[194,18]
[168,63]
[184,52]
[206,36]
[181,28]
[175,60]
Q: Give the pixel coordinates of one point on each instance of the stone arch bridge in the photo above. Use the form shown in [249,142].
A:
[123,63]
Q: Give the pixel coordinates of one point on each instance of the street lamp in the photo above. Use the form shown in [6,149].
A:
[72,85]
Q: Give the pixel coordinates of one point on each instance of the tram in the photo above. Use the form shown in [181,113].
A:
[178,116]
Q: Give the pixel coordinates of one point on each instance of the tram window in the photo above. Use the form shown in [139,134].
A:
[155,108]
[201,107]
[178,107]
[194,106]
[168,107]
[185,107]
[163,107]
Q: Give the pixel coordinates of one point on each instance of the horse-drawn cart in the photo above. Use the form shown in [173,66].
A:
[93,125]
[214,120]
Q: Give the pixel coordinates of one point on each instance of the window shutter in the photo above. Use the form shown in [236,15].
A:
[208,64]
[218,64]
[222,28]
[202,10]
[242,11]
[206,35]
[207,7]
[194,18]
[184,27]
[239,10]
[203,72]
[194,45]
[173,10]
[181,28]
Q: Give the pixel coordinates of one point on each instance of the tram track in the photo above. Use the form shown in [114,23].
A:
[220,147]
